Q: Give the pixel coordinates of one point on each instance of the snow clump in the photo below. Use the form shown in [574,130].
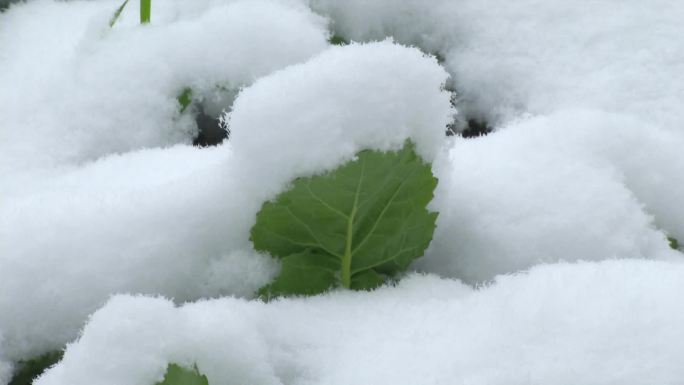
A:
[168,221]
[600,323]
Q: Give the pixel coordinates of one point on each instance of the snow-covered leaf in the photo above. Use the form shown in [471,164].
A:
[178,375]
[352,227]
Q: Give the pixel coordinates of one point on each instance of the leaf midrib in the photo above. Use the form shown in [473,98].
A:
[347,258]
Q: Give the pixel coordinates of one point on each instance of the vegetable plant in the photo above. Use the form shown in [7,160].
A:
[338,40]
[674,243]
[145,12]
[355,227]
[28,370]
[184,98]
[178,375]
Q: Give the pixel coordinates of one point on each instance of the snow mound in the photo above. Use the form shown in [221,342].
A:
[75,89]
[102,195]
[310,118]
[601,323]
[576,185]
[590,168]
[510,58]
[175,221]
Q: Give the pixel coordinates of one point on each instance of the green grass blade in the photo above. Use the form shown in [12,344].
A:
[145,11]
[116,15]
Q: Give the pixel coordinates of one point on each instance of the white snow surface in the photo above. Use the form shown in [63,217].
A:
[175,221]
[5,372]
[102,194]
[538,56]
[75,89]
[588,323]
[575,185]
[99,193]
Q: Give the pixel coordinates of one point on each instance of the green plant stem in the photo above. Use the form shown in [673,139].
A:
[145,11]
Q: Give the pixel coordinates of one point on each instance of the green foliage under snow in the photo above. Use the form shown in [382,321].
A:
[354,227]
[178,375]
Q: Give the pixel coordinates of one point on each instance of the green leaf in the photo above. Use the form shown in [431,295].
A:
[184,98]
[337,40]
[116,15]
[177,375]
[674,243]
[353,227]
[367,280]
[29,370]
[319,270]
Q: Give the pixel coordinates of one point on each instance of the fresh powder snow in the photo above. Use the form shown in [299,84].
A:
[128,247]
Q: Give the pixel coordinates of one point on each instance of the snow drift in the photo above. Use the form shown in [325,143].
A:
[101,193]
[599,323]
[175,221]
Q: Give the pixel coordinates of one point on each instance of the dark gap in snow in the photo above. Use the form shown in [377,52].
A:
[210,130]
[439,56]
[473,128]
[4,4]
[476,128]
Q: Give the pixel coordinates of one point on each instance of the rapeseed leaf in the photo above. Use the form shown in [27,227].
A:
[354,227]
[178,375]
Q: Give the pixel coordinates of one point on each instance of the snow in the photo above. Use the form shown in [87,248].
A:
[600,323]
[275,140]
[100,91]
[576,185]
[580,184]
[585,163]
[510,58]
[5,372]
[100,193]
[175,221]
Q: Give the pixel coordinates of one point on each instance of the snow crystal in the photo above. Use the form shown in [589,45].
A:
[599,323]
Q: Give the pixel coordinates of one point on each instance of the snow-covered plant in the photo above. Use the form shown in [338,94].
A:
[354,227]
[145,12]
[184,98]
[178,375]
[27,370]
